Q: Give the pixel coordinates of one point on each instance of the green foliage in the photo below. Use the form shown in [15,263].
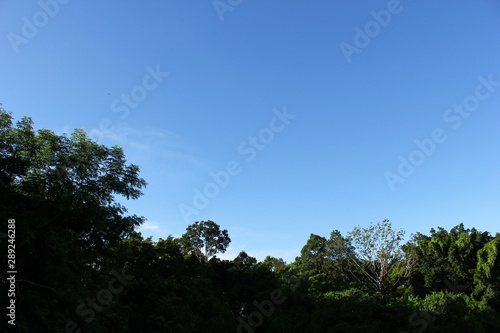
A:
[244,261]
[378,254]
[74,240]
[328,258]
[313,255]
[205,239]
[487,273]
[449,260]
[61,192]
[273,264]
[449,312]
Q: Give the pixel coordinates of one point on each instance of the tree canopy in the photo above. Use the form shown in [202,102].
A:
[61,192]
[205,239]
[85,268]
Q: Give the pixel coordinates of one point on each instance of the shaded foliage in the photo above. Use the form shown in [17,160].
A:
[204,240]
[86,269]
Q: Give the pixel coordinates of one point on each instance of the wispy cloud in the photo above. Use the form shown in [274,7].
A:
[139,138]
[154,229]
[150,226]
[155,142]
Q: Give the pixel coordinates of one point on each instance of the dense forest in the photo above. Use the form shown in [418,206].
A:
[82,266]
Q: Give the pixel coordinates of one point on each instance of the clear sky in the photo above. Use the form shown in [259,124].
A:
[311,115]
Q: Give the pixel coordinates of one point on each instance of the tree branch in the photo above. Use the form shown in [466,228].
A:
[38,285]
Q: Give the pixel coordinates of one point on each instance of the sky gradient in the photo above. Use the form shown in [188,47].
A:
[275,119]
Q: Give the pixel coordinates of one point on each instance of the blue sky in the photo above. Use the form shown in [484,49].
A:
[327,114]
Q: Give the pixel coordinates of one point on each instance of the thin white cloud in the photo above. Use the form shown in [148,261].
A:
[150,226]
[149,140]
[153,229]
[138,138]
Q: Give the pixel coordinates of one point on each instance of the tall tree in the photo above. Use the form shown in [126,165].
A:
[339,252]
[325,262]
[378,253]
[61,192]
[313,256]
[204,240]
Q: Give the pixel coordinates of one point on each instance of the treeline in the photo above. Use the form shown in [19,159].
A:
[82,267]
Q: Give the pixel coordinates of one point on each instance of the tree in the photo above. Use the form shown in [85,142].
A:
[460,260]
[313,255]
[339,251]
[327,257]
[487,273]
[244,261]
[273,264]
[378,253]
[205,239]
[61,192]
